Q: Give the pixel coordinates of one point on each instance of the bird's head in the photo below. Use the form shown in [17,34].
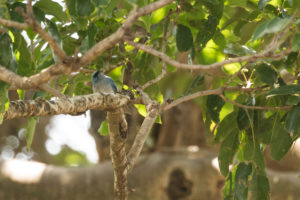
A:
[96,76]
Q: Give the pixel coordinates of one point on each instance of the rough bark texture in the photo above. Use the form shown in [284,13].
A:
[117,128]
[182,126]
[74,105]
[170,175]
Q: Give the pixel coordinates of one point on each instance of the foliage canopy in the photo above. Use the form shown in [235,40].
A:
[258,105]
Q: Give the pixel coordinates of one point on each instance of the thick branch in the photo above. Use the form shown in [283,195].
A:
[116,118]
[36,80]
[74,105]
[10,23]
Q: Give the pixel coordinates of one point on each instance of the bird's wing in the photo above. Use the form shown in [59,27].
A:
[112,83]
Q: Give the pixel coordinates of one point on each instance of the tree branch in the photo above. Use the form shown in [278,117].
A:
[36,80]
[10,23]
[142,135]
[118,152]
[113,39]
[211,67]
[30,19]
[74,105]
[255,107]
[219,91]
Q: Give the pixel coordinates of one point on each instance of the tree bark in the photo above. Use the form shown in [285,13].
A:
[170,175]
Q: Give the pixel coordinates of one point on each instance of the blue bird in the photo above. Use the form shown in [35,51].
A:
[105,85]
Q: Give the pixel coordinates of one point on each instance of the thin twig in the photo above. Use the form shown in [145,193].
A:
[254,107]
[211,67]
[52,91]
[164,67]
[218,91]
[30,19]
[114,38]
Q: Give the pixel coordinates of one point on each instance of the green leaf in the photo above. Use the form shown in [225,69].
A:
[262,4]
[52,8]
[54,32]
[214,105]
[281,141]
[296,42]
[159,14]
[243,120]
[103,129]
[25,67]
[227,151]
[273,26]
[92,32]
[238,50]
[100,2]
[219,39]
[71,5]
[3,10]
[259,188]
[226,126]
[5,50]
[266,74]
[247,148]
[84,7]
[241,181]
[285,90]
[4,101]
[30,131]
[141,109]
[294,3]
[292,121]
[184,38]
[292,57]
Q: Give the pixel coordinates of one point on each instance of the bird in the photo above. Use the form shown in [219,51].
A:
[105,85]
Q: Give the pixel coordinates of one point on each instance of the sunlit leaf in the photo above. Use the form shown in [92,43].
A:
[103,129]
[30,131]
[141,109]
